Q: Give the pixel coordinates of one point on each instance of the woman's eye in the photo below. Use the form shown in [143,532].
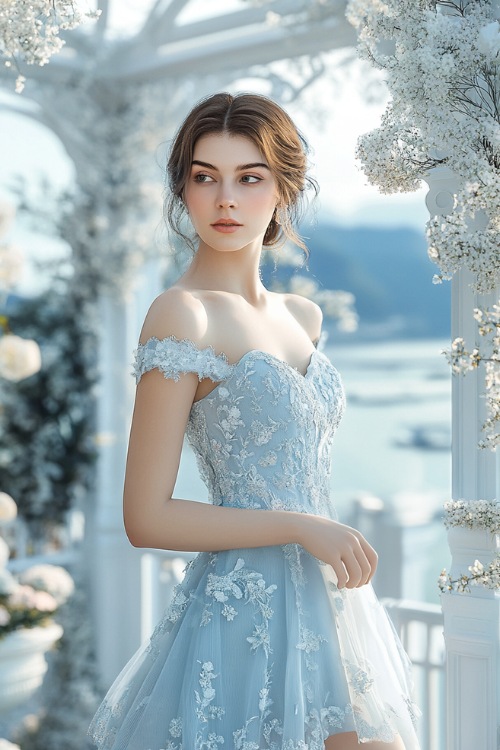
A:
[203,178]
[250,179]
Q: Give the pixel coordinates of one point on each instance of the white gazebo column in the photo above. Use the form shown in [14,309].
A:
[114,565]
[471,620]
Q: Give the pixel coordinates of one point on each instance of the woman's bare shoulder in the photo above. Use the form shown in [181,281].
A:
[178,312]
[306,312]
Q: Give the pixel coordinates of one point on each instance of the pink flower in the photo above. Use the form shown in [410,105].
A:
[44,601]
[25,597]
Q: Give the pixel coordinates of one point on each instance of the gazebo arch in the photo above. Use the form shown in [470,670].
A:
[108,98]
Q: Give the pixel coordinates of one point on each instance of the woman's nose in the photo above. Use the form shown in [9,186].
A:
[226,199]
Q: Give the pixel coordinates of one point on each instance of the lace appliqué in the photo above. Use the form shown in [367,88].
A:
[173,357]
[243,584]
[310,643]
[359,677]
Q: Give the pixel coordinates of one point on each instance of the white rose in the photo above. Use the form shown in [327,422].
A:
[19,358]
[8,583]
[4,553]
[489,40]
[7,214]
[6,745]
[11,264]
[8,508]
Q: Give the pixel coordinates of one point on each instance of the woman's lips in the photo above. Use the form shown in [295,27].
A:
[225,227]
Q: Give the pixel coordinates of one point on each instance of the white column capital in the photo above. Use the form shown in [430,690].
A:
[443,186]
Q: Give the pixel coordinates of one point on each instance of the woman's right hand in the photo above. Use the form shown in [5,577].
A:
[352,558]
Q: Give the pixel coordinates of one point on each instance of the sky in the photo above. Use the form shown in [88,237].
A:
[332,114]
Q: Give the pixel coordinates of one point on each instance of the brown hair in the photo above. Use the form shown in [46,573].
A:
[269,127]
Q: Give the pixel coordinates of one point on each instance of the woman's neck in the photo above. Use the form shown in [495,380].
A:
[235,272]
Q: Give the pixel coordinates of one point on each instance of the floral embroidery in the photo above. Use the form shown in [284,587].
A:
[204,709]
[310,643]
[175,728]
[359,678]
[211,743]
[173,357]
[239,738]
[248,585]
[261,433]
[178,605]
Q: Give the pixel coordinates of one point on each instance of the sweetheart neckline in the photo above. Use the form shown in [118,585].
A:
[222,356]
[263,355]
[274,358]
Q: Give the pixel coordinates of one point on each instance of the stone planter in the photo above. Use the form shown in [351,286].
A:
[23,664]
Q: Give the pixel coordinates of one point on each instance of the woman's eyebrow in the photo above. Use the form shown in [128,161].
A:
[239,168]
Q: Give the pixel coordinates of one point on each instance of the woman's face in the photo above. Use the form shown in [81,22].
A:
[230,194]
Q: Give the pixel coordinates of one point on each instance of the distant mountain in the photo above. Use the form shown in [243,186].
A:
[390,275]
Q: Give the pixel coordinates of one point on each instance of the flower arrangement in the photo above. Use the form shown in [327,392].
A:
[441,59]
[442,63]
[30,31]
[32,598]
[19,358]
[488,577]
[477,514]
[481,515]
[462,361]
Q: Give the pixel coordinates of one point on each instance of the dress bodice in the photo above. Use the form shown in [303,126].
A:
[262,437]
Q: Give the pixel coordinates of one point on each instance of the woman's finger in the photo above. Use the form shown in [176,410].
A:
[353,568]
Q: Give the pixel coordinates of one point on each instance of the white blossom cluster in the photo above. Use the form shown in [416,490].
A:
[6,745]
[442,63]
[462,361]
[476,514]
[29,30]
[488,576]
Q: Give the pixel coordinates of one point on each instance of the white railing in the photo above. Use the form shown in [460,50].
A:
[420,627]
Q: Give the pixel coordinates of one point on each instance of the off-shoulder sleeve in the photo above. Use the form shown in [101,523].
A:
[174,357]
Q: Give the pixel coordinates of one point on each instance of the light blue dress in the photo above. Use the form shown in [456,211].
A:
[259,649]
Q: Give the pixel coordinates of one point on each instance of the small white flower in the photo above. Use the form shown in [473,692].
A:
[4,618]
[7,214]
[6,745]
[8,508]
[19,358]
[4,552]
[8,583]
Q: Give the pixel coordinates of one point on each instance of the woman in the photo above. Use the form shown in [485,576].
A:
[274,639]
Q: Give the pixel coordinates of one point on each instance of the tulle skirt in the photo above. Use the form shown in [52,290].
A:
[259,650]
